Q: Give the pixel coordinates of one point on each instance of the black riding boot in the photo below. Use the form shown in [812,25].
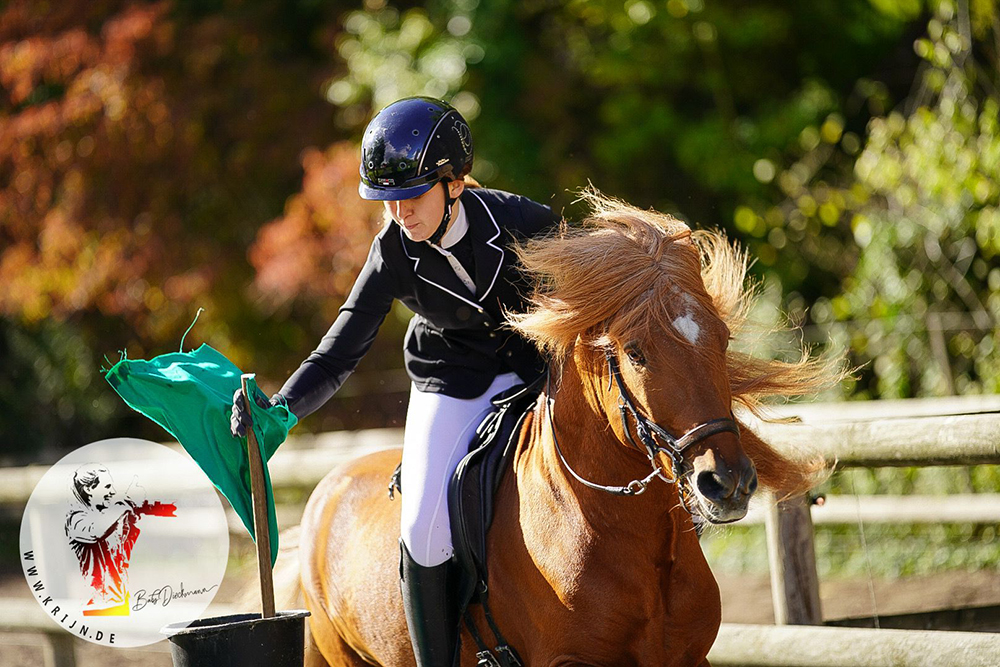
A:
[429,613]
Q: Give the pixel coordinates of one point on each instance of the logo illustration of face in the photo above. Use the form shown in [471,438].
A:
[122,537]
[103,491]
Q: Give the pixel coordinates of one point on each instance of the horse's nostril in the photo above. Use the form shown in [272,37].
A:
[752,486]
[713,486]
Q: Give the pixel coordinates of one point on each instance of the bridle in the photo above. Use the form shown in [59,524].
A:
[647,431]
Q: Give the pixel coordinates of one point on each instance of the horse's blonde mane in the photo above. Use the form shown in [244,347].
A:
[617,274]
[621,274]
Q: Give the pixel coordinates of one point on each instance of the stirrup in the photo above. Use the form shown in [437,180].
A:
[508,656]
[395,482]
[486,659]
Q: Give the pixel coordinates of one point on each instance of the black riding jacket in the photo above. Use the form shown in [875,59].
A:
[456,343]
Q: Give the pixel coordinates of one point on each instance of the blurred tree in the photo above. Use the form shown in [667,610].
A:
[141,147]
[315,249]
[47,385]
[667,104]
[149,150]
[911,224]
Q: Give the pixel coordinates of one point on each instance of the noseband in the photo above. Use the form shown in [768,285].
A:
[647,431]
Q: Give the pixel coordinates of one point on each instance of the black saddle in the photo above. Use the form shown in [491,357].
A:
[471,494]
[472,489]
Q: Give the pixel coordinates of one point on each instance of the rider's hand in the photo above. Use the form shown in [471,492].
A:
[241,416]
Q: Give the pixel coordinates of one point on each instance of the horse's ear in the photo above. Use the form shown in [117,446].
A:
[783,475]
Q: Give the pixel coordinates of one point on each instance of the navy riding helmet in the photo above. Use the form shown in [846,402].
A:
[409,147]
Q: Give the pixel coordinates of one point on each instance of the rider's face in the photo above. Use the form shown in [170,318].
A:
[420,216]
[103,492]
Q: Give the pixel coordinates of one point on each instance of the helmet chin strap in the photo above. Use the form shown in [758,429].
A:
[449,201]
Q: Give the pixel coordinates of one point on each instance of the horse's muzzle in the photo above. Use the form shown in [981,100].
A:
[724,495]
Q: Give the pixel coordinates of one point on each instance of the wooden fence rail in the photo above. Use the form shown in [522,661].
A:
[300,463]
[785,646]
[954,431]
[975,508]
[978,508]
[917,441]
[972,437]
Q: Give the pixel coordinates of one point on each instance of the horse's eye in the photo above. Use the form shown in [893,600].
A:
[635,354]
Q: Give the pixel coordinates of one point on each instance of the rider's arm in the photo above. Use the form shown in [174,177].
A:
[347,341]
[89,527]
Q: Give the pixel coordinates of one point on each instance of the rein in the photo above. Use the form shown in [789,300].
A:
[648,431]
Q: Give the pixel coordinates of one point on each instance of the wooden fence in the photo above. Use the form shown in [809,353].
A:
[886,433]
[798,646]
[922,432]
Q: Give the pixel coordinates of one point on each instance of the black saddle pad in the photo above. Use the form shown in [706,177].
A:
[472,488]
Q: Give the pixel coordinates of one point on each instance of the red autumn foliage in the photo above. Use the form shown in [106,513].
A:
[72,98]
[141,146]
[317,248]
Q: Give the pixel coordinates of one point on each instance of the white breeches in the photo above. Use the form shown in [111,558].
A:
[437,434]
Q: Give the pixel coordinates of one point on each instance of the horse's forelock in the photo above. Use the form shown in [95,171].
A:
[628,274]
[624,272]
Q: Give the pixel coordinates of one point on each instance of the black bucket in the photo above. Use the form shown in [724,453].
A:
[240,640]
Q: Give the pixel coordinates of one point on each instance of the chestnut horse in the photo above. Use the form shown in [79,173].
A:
[633,309]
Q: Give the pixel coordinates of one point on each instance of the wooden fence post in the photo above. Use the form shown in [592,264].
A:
[59,651]
[792,556]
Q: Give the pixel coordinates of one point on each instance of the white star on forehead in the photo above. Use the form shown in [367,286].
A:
[686,325]
[688,328]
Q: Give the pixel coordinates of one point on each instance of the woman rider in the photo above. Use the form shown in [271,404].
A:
[447,255]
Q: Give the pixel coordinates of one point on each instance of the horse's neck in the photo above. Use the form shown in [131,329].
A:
[570,528]
[575,553]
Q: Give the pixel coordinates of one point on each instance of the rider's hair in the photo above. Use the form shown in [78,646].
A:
[85,480]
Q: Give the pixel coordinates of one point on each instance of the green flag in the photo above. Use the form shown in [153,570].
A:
[190,394]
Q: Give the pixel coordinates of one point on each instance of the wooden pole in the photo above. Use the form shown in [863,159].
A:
[258,492]
[58,651]
[792,556]
[939,349]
